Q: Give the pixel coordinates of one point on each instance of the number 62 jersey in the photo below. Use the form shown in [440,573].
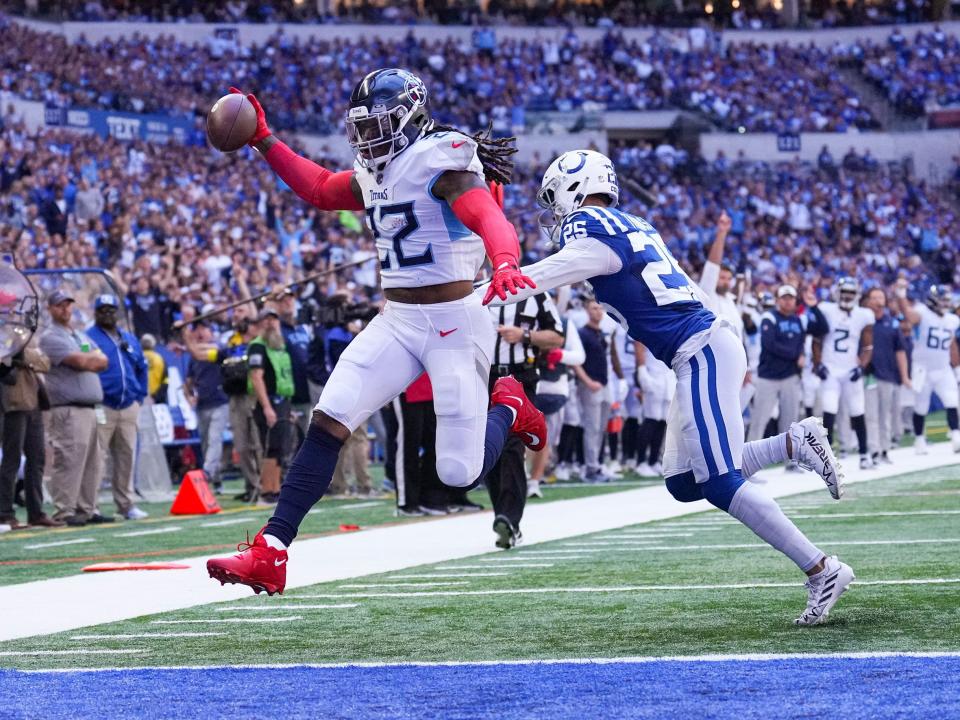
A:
[419,239]
[935,333]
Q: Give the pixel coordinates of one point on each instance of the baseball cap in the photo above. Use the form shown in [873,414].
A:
[59,296]
[105,300]
[267,312]
[785,290]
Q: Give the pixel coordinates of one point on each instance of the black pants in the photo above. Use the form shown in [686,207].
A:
[417,480]
[507,480]
[22,434]
[275,441]
[392,427]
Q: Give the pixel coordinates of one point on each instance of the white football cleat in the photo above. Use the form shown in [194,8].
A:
[533,489]
[955,440]
[644,470]
[561,472]
[824,589]
[920,445]
[867,463]
[812,451]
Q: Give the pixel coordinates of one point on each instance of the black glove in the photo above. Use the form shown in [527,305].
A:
[820,370]
[856,373]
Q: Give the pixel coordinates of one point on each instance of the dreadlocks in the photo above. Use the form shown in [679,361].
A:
[494,153]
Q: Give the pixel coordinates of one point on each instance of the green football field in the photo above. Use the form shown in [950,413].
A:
[690,586]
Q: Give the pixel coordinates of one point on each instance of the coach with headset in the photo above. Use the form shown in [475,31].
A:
[524,329]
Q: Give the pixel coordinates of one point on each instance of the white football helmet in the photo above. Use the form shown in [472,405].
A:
[572,177]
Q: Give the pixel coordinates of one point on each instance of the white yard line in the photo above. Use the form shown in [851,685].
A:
[505,566]
[58,543]
[644,536]
[230,521]
[76,601]
[867,515]
[78,651]
[271,607]
[155,531]
[357,506]
[749,546]
[403,584]
[218,620]
[452,575]
[751,657]
[137,636]
[616,589]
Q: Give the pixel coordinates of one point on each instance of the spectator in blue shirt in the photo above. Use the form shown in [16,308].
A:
[124,384]
[204,388]
[782,336]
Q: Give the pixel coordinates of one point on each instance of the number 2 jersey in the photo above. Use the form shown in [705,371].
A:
[934,335]
[650,295]
[841,344]
[419,239]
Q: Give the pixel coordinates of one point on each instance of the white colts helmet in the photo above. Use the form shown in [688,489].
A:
[572,177]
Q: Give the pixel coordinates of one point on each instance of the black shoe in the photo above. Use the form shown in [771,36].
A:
[507,535]
[409,512]
[74,520]
[267,499]
[242,497]
[98,519]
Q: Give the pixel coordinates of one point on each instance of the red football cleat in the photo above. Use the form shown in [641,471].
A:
[530,424]
[257,565]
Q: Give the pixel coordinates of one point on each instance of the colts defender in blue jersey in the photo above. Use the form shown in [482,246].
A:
[640,284]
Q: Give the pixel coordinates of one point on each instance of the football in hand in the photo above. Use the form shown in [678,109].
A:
[231,122]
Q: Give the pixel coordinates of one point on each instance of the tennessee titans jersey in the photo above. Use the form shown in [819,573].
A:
[650,296]
[419,239]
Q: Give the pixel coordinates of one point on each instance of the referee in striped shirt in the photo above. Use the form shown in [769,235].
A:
[524,330]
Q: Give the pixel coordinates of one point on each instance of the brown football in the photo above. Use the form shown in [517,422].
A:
[231,122]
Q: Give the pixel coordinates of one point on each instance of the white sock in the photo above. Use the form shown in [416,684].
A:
[274,542]
[760,513]
[759,454]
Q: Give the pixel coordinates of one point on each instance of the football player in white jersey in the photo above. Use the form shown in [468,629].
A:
[842,349]
[935,358]
[424,190]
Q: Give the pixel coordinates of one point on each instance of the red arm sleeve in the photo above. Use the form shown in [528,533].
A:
[478,210]
[320,187]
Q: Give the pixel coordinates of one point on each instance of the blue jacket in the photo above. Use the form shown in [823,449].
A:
[124,381]
[781,344]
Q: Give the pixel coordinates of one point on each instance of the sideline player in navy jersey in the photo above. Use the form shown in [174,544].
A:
[638,281]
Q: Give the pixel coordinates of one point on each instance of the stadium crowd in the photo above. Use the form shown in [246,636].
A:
[604,13]
[747,87]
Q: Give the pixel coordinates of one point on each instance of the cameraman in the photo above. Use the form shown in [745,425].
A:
[124,384]
[231,356]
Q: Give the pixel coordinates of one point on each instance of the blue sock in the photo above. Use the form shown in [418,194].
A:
[499,420]
[307,480]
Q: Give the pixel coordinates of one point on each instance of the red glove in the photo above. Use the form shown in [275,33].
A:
[262,130]
[553,358]
[506,278]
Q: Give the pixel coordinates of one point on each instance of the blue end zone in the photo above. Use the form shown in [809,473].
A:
[797,687]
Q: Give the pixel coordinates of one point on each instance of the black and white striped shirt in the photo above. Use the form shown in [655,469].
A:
[534,313]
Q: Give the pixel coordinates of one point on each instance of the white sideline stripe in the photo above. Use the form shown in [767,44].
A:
[757,657]
[212,621]
[645,536]
[521,559]
[78,651]
[547,554]
[618,589]
[746,546]
[155,531]
[890,513]
[231,521]
[402,584]
[453,575]
[76,601]
[271,608]
[41,546]
[357,506]
[132,636]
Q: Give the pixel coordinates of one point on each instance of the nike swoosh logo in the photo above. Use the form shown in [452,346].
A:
[458,144]
[278,563]
[444,333]
[519,400]
[533,438]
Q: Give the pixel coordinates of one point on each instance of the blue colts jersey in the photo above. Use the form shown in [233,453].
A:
[651,296]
